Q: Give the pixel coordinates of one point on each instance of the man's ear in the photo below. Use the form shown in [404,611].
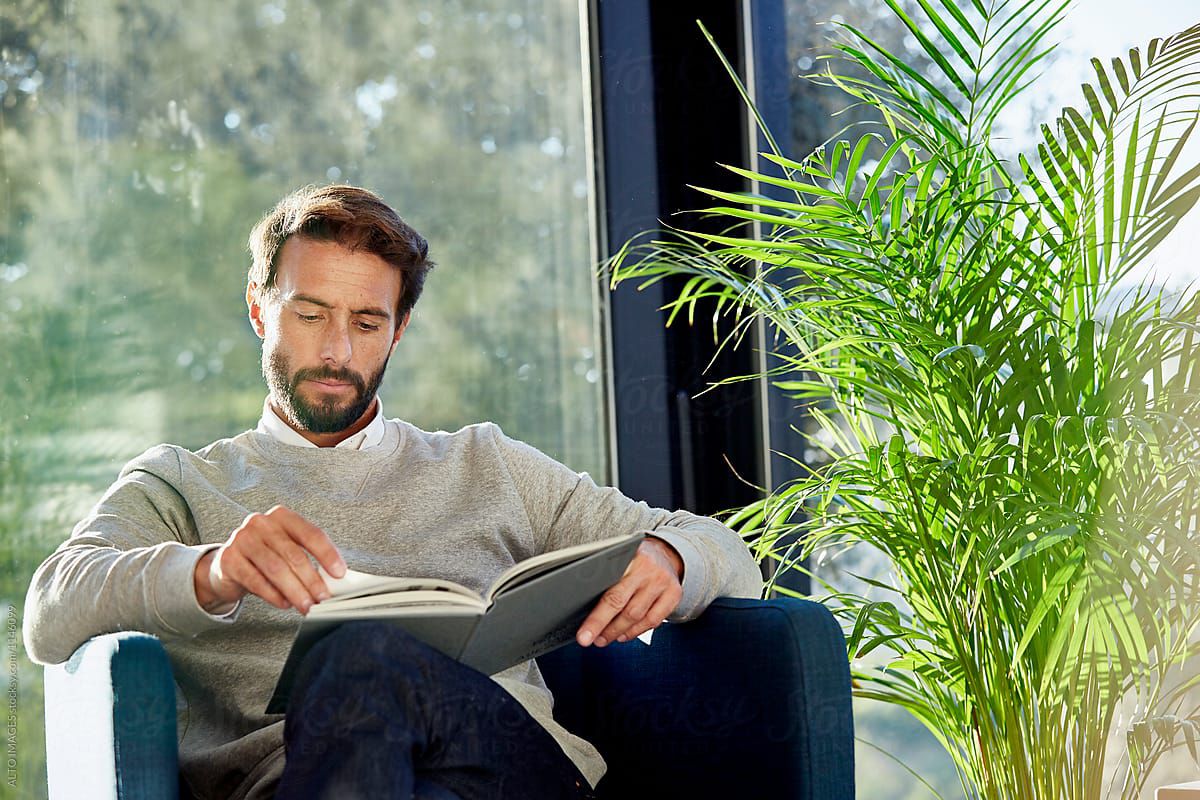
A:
[399,332]
[253,298]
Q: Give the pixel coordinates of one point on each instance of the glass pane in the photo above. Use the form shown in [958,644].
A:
[142,140]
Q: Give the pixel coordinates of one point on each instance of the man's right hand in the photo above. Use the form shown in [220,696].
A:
[268,556]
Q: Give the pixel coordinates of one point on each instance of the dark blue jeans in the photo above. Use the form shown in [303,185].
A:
[375,713]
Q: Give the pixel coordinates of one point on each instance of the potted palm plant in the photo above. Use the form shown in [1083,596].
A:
[1009,413]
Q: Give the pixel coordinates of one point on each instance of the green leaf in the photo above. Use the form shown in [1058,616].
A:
[1050,595]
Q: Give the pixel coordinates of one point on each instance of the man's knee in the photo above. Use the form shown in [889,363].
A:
[362,657]
[364,639]
[357,667]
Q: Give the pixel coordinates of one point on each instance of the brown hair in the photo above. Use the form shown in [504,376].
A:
[354,218]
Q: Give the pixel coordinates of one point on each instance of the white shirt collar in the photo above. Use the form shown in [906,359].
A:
[366,439]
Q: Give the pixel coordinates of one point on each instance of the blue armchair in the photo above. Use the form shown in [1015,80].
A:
[752,699]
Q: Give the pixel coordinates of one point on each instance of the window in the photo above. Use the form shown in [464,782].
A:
[141,141]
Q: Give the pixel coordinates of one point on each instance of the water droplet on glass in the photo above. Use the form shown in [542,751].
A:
[271,14]
[10,273]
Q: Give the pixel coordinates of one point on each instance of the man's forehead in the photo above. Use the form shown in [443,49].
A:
[327,274]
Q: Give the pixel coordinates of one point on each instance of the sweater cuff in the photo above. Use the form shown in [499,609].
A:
[175,598]
[695,574]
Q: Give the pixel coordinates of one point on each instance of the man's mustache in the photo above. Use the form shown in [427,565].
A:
[344,376]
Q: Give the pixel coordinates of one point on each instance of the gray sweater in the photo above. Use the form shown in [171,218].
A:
[463,506]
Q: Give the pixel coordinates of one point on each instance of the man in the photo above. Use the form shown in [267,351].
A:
[213,550]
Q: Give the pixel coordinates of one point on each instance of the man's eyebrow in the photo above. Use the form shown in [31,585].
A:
[366,312]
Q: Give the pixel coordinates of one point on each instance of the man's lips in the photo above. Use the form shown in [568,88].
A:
[332,384]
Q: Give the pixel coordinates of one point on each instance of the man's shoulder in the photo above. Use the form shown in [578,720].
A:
[483,443]
[474,435]
[168,461]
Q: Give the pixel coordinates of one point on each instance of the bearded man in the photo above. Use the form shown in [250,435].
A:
[213,551]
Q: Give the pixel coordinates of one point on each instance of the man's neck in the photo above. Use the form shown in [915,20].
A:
[330,439]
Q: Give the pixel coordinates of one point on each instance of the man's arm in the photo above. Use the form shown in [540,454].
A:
[567,508]
[135,563]
[128,565]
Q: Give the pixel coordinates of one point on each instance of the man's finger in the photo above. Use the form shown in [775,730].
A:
[312,539]
[634,611]
[239,569]
[278,572]
[610,604]
[656,616]
[302,567]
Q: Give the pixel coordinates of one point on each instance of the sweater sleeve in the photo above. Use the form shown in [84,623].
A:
[566,508]
[128,565]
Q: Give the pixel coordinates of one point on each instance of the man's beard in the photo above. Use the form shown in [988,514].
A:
[318,417]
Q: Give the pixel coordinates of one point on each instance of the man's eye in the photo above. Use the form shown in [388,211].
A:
[366,326]
[309,317]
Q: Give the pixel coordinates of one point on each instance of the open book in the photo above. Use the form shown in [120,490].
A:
[532,608]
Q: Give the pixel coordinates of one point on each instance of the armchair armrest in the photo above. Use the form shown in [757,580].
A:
[110,721]
[750,699]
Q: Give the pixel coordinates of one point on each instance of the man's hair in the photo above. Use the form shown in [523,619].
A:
[354,218]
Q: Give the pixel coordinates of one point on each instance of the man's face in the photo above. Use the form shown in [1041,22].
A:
[328,330]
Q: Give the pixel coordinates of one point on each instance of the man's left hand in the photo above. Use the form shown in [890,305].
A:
[647,593]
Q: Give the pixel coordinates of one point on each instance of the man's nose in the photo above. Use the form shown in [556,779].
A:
[336,348]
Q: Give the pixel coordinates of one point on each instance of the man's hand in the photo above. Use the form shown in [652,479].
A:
[647,593]
[268,556]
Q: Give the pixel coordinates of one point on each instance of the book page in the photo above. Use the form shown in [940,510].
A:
[424,599]
[359,584]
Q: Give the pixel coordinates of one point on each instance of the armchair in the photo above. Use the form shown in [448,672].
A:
[751,699]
